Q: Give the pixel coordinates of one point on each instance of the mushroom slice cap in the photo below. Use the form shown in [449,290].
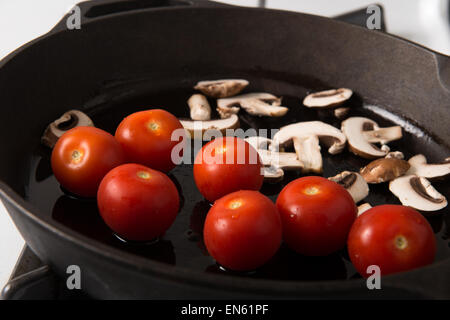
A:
[327,98]
[196,129]
[260,108]
[417,192]
[354,129]
[199,107]
[69,120]
[385,169]
[222,88]
[363,208]
[354,183]
[421,168]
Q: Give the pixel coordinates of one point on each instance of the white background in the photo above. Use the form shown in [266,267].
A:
[423,21]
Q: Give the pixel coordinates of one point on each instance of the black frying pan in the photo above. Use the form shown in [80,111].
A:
[132,55]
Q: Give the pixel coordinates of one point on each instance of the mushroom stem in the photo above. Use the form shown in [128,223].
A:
[383,135]
[199,107]
[308,152]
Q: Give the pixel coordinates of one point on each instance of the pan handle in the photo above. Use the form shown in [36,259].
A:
[90,10]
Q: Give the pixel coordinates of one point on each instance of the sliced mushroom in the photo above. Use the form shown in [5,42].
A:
[196,129]
[199,106]
[306,136]
[69,120]
[328,98]
[354,183]
[363,208]
[273,174]
[396,155]
[341,113]
[259,142]
[308,150]
[260,108]
[385,169]
[417,192]
[271,158]
[282,160]
[221,88]
[226,112]
[383,135]
[259,103]
[421,168]
[362,133]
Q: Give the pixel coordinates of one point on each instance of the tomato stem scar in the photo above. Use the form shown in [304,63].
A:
[401,242]
[235,204]
[311,190]
[77,156]
[143,175]
[153,126]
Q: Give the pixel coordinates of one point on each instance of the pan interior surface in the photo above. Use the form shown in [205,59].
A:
[182,245]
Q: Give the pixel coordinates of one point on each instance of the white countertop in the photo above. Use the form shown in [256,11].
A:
[422,21]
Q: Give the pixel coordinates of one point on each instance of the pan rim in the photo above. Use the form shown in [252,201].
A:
[177,273]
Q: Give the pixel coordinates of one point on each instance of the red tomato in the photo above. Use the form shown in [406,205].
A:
[82,157]
[393,237]
[225,165]
[138,203]
[316,214]
[146,138]
[243,230]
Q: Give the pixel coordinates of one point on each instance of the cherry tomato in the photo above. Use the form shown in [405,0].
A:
[243,230]
[316,214]
[225,165]
[82,157]
[146,138]
[138,203]
[393,237]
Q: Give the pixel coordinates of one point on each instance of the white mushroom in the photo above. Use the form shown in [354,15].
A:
[362,133]
[273,174]
[421,168]
[384,169]
[354,183]
[396,155]
[328,98]
[199,107]
[259,142]
[69,120]
[221,88]
[417,192]
[260,108]
[363,208]
[196,129]
[341,113]
[260,104]
[306,136]
[272,158]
